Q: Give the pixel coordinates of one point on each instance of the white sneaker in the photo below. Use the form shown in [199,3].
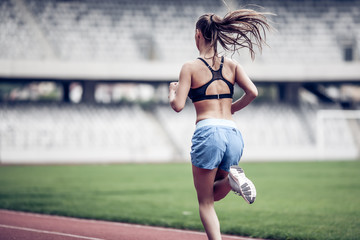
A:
[241,185]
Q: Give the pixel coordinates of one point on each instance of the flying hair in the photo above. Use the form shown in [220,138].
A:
[244,28]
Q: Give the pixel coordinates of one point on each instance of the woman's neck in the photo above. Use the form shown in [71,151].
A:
[206,52]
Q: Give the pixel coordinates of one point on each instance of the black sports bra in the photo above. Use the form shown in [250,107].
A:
[199,94]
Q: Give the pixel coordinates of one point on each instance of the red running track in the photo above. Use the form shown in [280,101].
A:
[30,226]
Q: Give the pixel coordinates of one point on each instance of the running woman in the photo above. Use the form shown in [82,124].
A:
[217,144]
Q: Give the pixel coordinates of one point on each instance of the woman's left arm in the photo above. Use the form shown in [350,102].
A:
[178,91]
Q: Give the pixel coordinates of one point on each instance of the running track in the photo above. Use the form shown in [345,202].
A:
[30,226]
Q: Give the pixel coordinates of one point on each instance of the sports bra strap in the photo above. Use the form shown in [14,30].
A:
[206,63]
[221,64]
[214,96]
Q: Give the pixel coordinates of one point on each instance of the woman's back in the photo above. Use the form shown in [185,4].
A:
[201,75]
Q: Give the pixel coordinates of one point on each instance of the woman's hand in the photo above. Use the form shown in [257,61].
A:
[173,86]
[172,91]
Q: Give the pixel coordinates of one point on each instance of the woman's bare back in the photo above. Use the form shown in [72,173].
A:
[201,74]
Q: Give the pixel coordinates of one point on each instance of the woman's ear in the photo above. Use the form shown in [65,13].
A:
[198,34]
[197,37]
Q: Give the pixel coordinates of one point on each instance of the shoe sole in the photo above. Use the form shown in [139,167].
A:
[244,187]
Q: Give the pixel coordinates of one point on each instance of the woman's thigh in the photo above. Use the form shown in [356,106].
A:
[204,183]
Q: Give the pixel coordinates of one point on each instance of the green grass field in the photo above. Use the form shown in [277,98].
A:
[307,200]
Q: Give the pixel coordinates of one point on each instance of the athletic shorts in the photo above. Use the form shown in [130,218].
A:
[216,143]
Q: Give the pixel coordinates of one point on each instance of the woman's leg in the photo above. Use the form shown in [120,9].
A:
[204,185]
[221,186]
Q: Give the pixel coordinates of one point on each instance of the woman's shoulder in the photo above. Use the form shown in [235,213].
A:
[191,65]
[231,62]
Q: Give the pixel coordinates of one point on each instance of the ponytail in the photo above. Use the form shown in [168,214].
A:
[239,29]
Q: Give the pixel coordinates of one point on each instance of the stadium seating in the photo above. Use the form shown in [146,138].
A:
[111,30]
[108,133]
[81,132]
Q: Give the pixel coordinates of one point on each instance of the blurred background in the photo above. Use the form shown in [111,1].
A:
[86,81]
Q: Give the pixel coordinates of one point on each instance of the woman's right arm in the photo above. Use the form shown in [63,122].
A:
[178,91]
[251,92]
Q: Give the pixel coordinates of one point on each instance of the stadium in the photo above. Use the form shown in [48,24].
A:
[86,82]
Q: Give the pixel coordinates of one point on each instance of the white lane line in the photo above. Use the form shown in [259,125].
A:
[103,222]
[48,232]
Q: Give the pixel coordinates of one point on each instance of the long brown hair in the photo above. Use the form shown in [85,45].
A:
[243,28]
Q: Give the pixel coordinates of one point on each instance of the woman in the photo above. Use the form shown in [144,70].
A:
[217,144]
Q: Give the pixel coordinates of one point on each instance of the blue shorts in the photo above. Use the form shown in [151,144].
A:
[216,143]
